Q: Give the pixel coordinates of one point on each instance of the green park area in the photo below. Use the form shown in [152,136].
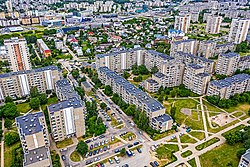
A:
[165,153]
[64,143]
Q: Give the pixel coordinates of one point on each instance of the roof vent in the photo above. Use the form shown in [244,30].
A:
[31,159]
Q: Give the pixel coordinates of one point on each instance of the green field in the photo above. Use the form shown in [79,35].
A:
[207,143]
[23,107]
[198,135]
[187,139]
[186,153]
[192,162]
[64,143]
[166,152]
[75,157]
[221,156]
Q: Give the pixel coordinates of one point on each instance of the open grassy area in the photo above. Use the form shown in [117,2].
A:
[64,143]
[75,157]
[165,152]
[241,107]
[207,143]
[222,156]
[51,100]
[192,162]
[9,154]
[158,136]
[23,107]
[185,119]
[234,130]
[198,135]
[187,139]
[126,136]
[186,153]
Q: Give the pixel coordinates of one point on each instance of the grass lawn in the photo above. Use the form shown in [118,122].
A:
[192,162]
[242,107]
[184,119]
[8,153]
[234,130]
[198,135]
[158,136]
[51,100]
[221,156]
[23,107]
[75,157]
[126,136]
[187,139]
[186,153]
[207,143]
[64,143]
[166,152]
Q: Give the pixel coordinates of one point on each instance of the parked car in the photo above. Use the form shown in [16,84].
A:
[63,157]
[139,150]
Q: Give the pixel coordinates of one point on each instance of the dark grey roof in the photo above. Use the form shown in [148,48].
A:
[36,155]
[5,75]
[229,55]
[230,80]
[162,55]
[66,89]
[202,75]
[162,118]
[193,57]
[75,103]
[86,84]
[183,41]
[30,124]
[195,66]
[159,75]
[224,45]
[246,156]
[118,52]
[152,81]
[245,58]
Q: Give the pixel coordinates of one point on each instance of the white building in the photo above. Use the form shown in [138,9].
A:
[182,22]
[213,24]
[238,31]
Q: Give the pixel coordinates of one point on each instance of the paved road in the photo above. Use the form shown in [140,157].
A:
[204,118]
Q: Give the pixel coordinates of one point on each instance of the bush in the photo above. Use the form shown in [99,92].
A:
[11,138]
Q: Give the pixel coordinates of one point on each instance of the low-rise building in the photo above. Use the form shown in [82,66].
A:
[225,88]
[86,86]
[67,119]
[151,85]
[44,49]
[34,139]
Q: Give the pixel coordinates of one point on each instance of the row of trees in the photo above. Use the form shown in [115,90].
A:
[231,102]
[239,136]
[92,74]
[93,123]
[37,98]
[140,118]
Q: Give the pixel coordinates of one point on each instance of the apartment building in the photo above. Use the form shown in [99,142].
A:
[187,46]
[227,87]
[238,30]
[121,60]
[133,95]
[44,49]
[182,22]
[213,24]
[65,91]
[155,59]
[227,63]
[190,58]
[222,48]
[245,159]
[244,63]
[151,85]
[206,49]
[34,138]
[196,79]
[67,119]
[18,54]
[18,84]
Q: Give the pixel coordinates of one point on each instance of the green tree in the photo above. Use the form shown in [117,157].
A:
[240,152]
[81,92]
[75,73]
[126,75]
[34,103]
[154,70]
[82,148]
[8,99]
[34,92]
[173,112]
[43,99]
[11,138]
[108,90]
[7,123]
[103,105]
[123,152]
[160,98]
[9,110]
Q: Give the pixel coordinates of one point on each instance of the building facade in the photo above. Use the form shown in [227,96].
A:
[44,49]
[34,139]
[187,46]
[227,63]
[207,49]
[18,84]
[67,119]
[18,54]
[182,22]
[238,30]
[225,88]
[213,24]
